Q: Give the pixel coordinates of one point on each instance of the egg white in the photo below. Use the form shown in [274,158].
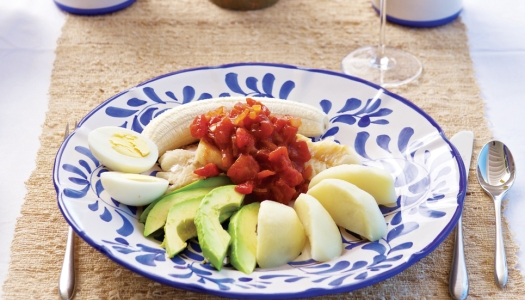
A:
[133,189]
[100,145]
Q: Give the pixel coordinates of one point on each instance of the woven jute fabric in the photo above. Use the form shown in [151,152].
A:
[97,57]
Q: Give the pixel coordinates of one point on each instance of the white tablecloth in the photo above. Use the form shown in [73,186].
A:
[28,35]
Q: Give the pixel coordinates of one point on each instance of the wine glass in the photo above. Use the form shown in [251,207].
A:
[383,65]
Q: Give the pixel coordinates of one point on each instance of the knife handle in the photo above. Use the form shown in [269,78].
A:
[458,281]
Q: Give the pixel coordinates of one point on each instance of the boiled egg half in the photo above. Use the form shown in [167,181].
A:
[123,150]
[133,189]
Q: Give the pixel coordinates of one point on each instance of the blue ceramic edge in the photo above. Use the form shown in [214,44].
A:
[94,11]
[422,24]
[310,292]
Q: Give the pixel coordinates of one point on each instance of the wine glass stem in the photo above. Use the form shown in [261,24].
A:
[382,23]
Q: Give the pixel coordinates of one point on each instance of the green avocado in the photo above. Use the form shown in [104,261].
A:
[180,225]
[243,231]
[145,213]
[157,216]
[211,182]
[213,239]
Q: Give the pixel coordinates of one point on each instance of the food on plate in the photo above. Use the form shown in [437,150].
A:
[133,189]
[213,239]
[182,163]
[207,153]
[261,152]
[156,217]
[211,182]
[170,130]
[377,182]
[280,235]
[327,153]
[351,207]
[324,154]
[322,232]
[178,167]
[203,183]
[159,213]
[180,225]
[244,150]
[123,150]
[243,231]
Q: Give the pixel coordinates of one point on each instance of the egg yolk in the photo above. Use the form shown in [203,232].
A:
[129,145]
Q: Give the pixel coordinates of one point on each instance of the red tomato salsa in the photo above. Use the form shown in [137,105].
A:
[260,150]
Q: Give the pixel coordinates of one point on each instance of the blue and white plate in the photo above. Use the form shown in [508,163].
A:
[387,130]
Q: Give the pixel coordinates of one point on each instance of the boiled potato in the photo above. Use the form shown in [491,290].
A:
[350,207]
[377,182]
[321,230]
[280,235]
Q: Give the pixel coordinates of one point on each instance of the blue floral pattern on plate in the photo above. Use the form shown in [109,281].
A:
[386,130]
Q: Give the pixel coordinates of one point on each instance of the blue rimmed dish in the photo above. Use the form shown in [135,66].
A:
[92,7]
[386,130]
[421,13]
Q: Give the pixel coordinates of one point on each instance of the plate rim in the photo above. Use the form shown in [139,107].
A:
[311,292]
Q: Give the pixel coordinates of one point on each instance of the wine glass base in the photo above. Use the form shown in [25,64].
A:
[395,68]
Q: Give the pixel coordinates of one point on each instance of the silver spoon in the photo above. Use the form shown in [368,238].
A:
[496,173]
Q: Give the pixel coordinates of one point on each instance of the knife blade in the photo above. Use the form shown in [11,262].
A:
[458,280]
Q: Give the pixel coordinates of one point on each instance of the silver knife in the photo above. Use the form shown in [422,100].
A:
[458,281]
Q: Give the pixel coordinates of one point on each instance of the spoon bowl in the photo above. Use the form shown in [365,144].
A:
[496,173]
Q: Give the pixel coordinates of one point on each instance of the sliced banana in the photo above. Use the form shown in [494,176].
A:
[171,129]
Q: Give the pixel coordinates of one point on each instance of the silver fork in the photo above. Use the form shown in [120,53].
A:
[66,282]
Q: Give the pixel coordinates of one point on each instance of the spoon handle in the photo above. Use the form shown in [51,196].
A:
[458,281]
[500,260]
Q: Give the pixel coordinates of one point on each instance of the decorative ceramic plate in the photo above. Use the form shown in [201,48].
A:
[386,130]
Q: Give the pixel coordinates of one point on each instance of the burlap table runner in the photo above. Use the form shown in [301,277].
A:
[97,57]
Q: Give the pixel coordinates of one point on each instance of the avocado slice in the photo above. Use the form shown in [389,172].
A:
[158,214]
[212,182]
[213,239]
[144,215]
[242,229]
[180,225]
[203,183]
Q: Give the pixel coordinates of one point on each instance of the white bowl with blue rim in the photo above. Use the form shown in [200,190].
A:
[386,130]
[421,13]
[92,7]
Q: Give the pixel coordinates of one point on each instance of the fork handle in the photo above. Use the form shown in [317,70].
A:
[66,283]
[500,260]
[458,281]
